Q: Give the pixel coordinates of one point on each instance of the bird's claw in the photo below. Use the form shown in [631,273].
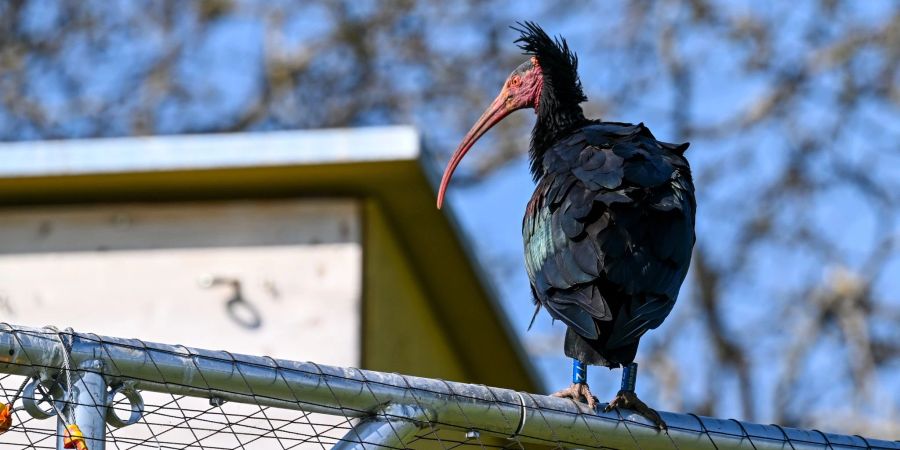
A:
[630,400]
[577,392]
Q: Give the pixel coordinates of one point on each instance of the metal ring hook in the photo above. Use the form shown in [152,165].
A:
[32,404]
[135,402]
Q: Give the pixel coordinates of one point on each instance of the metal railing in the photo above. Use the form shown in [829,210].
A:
[91,380]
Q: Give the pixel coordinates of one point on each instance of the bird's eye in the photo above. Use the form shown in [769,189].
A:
[515,81]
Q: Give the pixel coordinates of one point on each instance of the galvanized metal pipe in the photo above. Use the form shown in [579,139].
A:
[88,406]
[361,393]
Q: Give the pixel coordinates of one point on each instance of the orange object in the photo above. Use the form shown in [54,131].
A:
[5,417]
[73,438]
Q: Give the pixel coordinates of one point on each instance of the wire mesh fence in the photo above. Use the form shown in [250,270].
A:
[62,389]
[177,421]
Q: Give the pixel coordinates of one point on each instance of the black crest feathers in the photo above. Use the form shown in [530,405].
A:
[558,110]
[558,63]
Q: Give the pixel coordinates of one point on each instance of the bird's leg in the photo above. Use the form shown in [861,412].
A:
[579,388]
[626,398]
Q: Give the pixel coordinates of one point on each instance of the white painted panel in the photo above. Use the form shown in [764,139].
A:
[140,271]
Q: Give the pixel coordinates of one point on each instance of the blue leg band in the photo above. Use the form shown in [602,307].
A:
[579,372]
[629,377]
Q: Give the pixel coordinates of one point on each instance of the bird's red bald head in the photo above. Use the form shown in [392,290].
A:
[522,89]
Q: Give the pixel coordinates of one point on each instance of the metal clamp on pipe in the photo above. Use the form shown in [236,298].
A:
[391,427]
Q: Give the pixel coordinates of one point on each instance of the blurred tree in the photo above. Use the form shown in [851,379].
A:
[793,110]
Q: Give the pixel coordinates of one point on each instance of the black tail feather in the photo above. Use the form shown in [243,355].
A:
[589,351]
[537,309]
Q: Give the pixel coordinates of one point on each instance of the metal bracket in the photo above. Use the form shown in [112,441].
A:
[391,427]
[31,402]
[135,402]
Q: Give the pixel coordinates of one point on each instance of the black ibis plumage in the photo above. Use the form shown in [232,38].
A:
[609,229]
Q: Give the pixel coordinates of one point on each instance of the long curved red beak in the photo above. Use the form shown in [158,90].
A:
[494,114]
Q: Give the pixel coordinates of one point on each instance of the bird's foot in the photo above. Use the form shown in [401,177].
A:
[630,400]
[577,392]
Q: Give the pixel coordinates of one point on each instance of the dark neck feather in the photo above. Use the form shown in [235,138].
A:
[557,116]
[558,112]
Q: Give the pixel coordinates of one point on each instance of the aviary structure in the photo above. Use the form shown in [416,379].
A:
[610,227]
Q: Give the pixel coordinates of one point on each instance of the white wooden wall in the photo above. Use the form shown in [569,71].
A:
[140,271]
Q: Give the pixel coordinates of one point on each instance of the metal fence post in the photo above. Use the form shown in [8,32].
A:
[86,405]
